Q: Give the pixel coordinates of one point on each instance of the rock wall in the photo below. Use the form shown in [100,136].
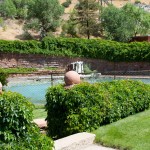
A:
[41,61]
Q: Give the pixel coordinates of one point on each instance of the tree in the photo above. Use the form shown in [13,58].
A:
[70,27]
[87,16]
[7,9]
[44,16]
[139,17]
[121,24]
[114,24]
[21,8]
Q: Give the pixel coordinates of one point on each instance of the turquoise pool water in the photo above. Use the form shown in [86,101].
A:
[36,91]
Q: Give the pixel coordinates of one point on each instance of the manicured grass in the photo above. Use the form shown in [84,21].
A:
[39,113]
[131,133]
[17,70]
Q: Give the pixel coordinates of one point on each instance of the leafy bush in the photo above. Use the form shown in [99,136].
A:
[19,46]
[16,128]
[87,69]
[74,47]
[3,78]
[99,49]
[87,106]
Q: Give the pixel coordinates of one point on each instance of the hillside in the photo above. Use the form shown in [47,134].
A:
[13,28]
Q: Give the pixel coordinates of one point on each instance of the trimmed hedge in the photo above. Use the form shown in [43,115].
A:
[86,106]
[16,128]
[74,47]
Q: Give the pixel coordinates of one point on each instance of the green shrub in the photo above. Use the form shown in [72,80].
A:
[99,49]
[3,78]
[74,47]
[25,47]
[87,69]
[87,106]
[16,128]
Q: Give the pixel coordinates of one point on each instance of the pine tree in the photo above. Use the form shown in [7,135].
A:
[88,16]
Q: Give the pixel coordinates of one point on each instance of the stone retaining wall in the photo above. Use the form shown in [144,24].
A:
[41,61]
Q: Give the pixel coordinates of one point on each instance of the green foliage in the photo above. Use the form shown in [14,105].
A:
[86,106]
[47,15]
[19,46]
[35,141]
[15,8]
[3,78]
[87,69]
[87,17]
[75,47]
[121,24]
[139,18]
[17,70]
[16,128]
[137,2]
[99,49]
[22,7]
[7,9]
[70,27]
[15,116]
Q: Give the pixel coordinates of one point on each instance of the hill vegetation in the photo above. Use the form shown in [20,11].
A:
[12,24]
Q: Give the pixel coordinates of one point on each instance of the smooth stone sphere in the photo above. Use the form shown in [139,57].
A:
[71,77]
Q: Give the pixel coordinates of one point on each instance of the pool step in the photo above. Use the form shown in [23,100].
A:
[77,141]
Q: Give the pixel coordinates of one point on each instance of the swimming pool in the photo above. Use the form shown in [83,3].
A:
[36,90]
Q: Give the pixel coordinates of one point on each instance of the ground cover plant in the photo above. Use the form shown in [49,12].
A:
[86,107]
[74,47]
[17,70]
[17,131]
[131,133]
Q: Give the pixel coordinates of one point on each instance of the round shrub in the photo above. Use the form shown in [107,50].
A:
[86,106]
[17,131]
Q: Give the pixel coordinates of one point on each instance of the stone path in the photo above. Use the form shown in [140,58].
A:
[79,141]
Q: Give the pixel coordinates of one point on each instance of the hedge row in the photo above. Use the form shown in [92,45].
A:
[17,131]
[74,47]
[86,106]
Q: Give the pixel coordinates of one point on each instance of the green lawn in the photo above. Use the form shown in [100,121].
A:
[39,112]
[131,133]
